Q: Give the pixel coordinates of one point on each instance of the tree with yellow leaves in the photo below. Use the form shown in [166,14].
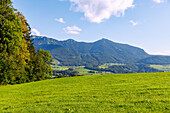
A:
[17,53]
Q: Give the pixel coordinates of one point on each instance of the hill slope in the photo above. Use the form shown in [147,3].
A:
[70,52]
[162,60]
[144,93]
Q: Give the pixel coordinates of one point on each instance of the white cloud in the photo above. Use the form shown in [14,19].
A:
[159,1]
[60,20]
[35,32]
[166,52]
[98,10]
[133,22]
[72,30]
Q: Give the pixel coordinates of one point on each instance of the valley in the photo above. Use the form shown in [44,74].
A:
[99,57]
[84,56]
[102,69]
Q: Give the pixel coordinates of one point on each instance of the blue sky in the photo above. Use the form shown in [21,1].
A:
[142,23]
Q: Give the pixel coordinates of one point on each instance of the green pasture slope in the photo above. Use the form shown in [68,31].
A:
[161,67]
[148,92]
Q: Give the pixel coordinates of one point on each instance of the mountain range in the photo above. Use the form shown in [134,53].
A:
[73,53]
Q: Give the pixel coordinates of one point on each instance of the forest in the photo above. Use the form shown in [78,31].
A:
[19,61]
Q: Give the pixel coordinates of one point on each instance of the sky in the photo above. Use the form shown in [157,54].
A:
[141,23]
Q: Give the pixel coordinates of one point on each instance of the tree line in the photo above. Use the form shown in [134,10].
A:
[19,61]
[127,68]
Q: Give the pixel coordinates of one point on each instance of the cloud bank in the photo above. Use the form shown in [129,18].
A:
[35,32]
[159,1]
[166,52]
[98,10]
[73,30]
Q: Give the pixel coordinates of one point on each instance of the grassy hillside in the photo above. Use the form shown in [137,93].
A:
[161,67]
[106,93]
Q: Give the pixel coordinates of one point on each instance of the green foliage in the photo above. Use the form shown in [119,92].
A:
[12,52]
[17,53]
[124,68]
[119,93]
[43,61]
[75,70]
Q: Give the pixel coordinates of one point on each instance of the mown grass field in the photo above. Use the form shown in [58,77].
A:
[148,92]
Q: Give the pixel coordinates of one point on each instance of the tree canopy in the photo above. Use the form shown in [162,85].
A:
[19,62]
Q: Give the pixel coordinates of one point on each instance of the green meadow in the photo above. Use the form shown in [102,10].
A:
[147,92]
[106,65]
[161,67]
[80,69]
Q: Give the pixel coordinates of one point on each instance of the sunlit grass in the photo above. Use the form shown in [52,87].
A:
[98,93]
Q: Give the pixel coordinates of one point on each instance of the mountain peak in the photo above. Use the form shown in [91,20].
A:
[71,52]
[104,39]
[70,40]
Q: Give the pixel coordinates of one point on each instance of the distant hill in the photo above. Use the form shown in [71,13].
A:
[71,52]
[159,60]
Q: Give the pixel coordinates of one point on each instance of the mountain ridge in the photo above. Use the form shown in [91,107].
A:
[71,52]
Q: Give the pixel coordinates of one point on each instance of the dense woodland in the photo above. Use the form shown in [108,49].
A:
[19,61]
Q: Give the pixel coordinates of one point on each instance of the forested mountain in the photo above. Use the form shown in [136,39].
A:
[157,59]
[71,52]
